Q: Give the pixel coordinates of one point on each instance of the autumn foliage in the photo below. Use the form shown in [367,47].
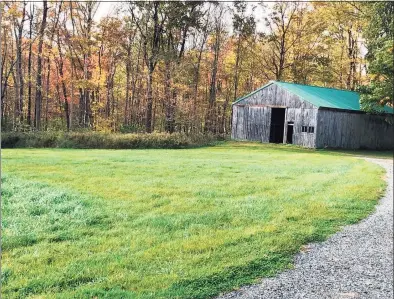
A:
[166,66]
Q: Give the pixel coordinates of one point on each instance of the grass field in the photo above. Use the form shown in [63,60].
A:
[169,223]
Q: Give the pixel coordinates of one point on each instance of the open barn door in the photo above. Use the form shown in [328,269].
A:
[277,125]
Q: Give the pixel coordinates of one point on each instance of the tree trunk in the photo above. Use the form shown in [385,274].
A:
[197,76]
[71,96]
[149,101]
[98,87]
[29,67]
[81,107]
[47,93]
[134,108]
[237,62]
[38,102]
[15,115]
[282,58]
[4,83]
[169,103]
[350,82]
[151,62]
[225,106]
[84,95]
[20,80]
[209,123]
[128,86]
[64,89]
[108,95]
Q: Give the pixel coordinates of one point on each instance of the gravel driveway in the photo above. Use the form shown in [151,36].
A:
[354,263]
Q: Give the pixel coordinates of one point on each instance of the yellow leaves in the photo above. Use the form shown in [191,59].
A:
[230,58]
[97,78]
[14,10]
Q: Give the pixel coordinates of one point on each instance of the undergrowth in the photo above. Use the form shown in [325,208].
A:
[96,140]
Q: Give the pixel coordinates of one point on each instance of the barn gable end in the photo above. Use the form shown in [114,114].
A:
[252,116]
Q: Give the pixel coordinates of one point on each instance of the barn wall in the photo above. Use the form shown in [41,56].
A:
[237,123]
[302,117]
[251,123]
[338,129]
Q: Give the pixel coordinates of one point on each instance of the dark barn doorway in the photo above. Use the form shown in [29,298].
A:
[289,137]
[277,125]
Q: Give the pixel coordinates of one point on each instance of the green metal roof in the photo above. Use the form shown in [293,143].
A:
[323,96]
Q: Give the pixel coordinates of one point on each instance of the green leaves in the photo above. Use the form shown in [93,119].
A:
[380,43]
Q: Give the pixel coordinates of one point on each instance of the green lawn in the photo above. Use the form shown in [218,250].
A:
[187,223]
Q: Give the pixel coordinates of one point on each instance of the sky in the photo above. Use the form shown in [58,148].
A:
[105,8]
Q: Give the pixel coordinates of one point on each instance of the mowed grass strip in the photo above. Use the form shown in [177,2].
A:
[169,223]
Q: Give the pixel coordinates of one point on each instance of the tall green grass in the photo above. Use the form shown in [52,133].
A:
[96,140]
[189,223]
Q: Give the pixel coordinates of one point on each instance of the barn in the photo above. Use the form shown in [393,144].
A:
[310,116]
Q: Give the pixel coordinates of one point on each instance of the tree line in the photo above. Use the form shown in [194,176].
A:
[168,66]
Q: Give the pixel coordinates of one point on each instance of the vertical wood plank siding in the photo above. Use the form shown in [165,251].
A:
[304,117]
[252,122]
[237,128]
[336,129]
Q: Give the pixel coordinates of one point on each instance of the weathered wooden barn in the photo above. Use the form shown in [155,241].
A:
[310,116]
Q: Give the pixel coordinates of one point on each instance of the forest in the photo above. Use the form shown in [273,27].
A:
[177,66]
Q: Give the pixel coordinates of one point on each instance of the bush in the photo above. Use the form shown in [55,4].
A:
[29,139]
[105,140]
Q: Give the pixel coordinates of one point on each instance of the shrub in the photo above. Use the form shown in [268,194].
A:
[105,140]
[29,139]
